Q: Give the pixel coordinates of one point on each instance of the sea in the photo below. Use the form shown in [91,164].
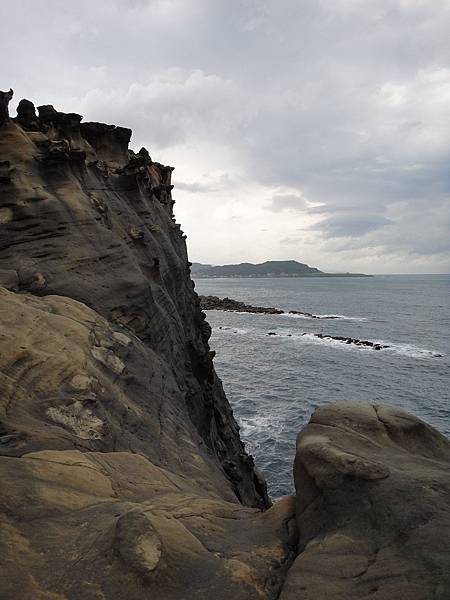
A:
[274,382]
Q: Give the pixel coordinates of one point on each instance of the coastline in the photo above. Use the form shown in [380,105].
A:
[124,471]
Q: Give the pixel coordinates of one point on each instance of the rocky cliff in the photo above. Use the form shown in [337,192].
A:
[122,471]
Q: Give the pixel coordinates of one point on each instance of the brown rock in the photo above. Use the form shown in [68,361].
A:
[5,99]
[373,507]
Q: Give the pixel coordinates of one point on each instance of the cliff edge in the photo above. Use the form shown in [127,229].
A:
[118,447]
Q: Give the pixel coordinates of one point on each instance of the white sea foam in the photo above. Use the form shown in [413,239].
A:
[343,317]
[255,424]
[255,429]
[289,315]
[413,351]
[237,330]
[304,316]
[409,350]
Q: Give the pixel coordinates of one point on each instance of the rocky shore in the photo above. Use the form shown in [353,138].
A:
[352,341]
[341,338]
[122,471]
[228,304]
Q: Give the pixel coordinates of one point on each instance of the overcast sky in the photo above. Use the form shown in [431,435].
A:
[299,129]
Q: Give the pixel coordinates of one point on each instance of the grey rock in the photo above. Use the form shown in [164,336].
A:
[373,507]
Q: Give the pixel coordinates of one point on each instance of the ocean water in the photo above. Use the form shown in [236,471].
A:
[275,382]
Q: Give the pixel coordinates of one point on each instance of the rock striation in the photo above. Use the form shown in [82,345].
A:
[122,471]
[87,221]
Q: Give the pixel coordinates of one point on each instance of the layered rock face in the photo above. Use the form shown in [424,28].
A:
[123,474]
[88,221]
[122,471]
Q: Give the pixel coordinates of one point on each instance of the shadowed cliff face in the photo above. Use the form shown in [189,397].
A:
[85,219]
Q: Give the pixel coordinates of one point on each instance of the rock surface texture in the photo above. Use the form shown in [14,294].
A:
[122,471]
[373,507]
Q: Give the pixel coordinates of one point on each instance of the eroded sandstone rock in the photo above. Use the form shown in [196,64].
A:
[84,219]
[123,474]
[373,507]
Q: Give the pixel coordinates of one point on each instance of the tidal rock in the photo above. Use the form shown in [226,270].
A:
[373,507]
[351,341]
[228,304]
[215,303]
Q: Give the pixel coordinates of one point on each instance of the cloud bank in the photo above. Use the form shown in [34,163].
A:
[306,129]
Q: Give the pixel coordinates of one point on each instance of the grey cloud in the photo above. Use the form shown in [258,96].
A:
[199,188]
[209,184]
[351,225]
[286,202]
[346,101]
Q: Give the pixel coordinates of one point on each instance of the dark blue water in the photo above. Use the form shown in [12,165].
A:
[275,382]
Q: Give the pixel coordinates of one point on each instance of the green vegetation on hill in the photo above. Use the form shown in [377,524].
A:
[270,268]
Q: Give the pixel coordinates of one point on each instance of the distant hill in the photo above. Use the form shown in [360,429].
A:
[199,267]
[271,268]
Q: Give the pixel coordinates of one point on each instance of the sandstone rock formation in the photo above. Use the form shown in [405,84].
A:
[81,220]
[122,471]
[373,507]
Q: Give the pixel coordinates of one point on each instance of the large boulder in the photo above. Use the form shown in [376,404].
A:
[373,507]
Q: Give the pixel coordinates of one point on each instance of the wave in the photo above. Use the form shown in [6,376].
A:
[308,316]
[233,329]
[414,351]
[402,349]
[256,430]
[291,315]
[410,350]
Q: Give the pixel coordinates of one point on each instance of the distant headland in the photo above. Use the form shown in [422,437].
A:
[270,268]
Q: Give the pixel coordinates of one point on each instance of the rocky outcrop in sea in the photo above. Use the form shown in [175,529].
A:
[122,471]
[228,304]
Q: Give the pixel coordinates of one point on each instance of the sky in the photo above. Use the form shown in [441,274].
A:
[311,130]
